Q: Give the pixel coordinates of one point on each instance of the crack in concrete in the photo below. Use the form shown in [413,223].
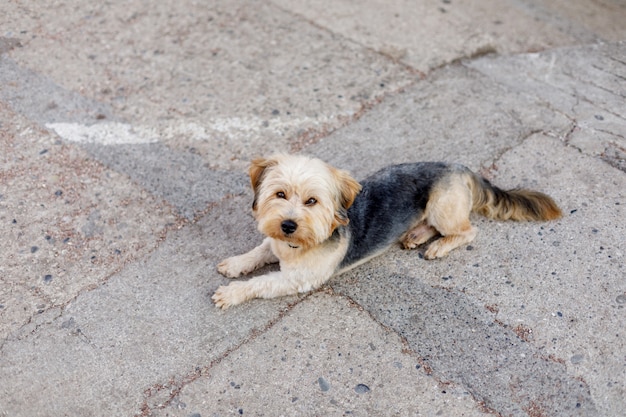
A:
[568,135]
[602,69]
[615,156]
[617,135]
[488,171]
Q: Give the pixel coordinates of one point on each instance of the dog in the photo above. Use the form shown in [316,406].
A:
[319,221]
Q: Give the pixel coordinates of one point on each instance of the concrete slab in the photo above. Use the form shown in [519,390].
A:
[146,329]
[459,340]
[132,150]
[68,222]
[343,365]
[41,100]
[181,178]
[579,270]
[585,84]
[427,35]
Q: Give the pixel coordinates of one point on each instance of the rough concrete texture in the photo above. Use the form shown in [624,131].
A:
[362,371]
[227,79]
[125,132]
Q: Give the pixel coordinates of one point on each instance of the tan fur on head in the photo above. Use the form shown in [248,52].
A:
[306,191]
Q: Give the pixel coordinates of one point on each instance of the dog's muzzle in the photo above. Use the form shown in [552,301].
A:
[288,226]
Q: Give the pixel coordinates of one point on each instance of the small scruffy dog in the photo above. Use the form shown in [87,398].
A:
[320,222]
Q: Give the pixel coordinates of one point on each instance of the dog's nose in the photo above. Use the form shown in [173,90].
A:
[288,226]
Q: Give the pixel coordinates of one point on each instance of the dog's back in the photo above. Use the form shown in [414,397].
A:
[392,201]
[414,202]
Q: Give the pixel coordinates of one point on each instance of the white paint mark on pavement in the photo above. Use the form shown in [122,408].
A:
[110,133]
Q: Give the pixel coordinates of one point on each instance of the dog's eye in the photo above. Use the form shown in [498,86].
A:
[311,202]
[280,194]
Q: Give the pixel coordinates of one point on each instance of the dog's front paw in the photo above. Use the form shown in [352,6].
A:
[231,267]
[230,295]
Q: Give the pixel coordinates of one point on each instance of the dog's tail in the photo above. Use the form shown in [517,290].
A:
[516,204]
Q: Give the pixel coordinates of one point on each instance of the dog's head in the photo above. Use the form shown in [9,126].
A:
[300,200]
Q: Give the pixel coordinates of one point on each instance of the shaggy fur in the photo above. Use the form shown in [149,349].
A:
[319,221]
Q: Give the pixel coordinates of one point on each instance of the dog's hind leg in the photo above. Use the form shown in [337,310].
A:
[447,211]
[419,235]
[440,247]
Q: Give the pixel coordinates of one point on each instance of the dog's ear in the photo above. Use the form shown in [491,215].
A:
[256,172]
[348,190]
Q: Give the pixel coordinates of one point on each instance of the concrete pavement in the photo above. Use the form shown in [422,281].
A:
[125,133]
